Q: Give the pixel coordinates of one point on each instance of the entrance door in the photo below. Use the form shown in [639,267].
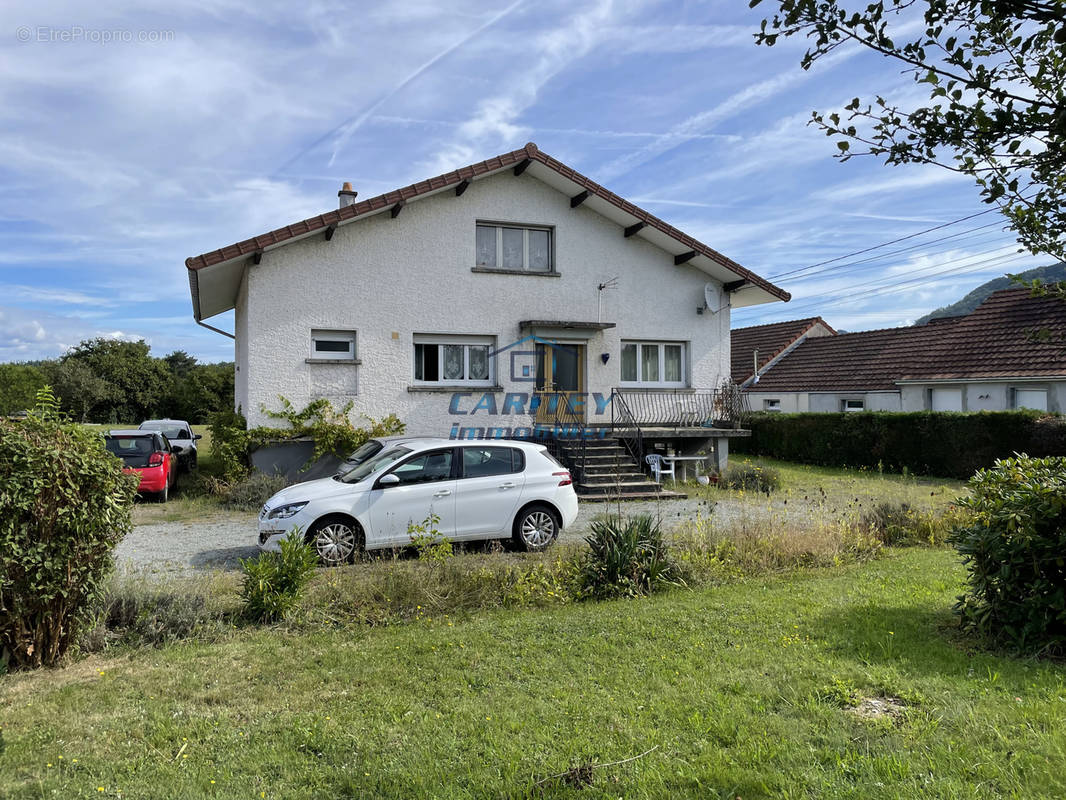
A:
[560,379]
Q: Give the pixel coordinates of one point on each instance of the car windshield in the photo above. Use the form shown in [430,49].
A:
[378,462]
[170,431]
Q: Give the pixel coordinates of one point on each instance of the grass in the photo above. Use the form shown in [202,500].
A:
[740,690]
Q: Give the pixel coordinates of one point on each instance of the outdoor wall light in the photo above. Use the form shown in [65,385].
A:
[605,357]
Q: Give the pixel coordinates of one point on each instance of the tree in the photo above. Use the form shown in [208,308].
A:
[138,382]
[18,387]
[997,108]
[79,390]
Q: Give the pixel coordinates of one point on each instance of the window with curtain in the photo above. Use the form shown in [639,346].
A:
[654,364]
[453,360]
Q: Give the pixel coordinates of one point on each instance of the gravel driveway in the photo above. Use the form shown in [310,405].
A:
[219,540]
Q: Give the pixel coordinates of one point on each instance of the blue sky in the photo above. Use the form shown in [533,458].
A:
[216,120]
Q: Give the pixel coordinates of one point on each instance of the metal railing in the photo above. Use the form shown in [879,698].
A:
[674,408]
[566,424]
[627,428]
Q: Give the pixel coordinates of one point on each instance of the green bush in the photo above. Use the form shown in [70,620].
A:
[750,478]
[229,445]
[275,582]
[950,445]
[249,493]
[64,505]
[626,558]
[1015,554]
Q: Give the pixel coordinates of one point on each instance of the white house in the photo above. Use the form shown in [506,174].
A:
[482,302]
[1009,353]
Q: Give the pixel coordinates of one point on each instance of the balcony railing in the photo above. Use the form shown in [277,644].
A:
[673,408]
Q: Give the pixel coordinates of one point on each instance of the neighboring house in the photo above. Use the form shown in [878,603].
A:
[1008,353]
[754,350]
[470,303]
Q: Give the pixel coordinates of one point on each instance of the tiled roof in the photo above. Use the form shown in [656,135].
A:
[995,341]
[529,153]
[769,340]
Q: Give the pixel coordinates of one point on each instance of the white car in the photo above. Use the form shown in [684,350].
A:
[477,490]
[179,434]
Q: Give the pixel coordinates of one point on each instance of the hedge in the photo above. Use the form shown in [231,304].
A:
[949,445]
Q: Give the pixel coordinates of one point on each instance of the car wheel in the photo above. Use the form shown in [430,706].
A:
[192,462]
[535,528]
[336,540]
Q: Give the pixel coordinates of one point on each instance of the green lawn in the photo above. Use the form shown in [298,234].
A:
[737,690]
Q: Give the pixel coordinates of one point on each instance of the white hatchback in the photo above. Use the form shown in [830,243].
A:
[474,489]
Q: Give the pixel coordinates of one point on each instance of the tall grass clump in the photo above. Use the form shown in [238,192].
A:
[626,558]
[750,478]
[902,525]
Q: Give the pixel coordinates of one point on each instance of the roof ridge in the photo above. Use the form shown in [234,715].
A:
[530,152]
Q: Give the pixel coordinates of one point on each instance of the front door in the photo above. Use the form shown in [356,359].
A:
[560,382]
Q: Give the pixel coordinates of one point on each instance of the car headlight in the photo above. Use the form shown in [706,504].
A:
[286,511]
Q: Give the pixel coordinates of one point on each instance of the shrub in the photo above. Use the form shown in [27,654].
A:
[925,443]
[64,504]
[626,558]
[275,582]
[428,542]
[252,491]
[1014,554]
[750,478]
[229,445]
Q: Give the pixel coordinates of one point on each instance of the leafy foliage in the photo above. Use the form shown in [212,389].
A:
[995,74]
[428,542]
[1013,552]
[950,445]
[275,582]
[229,445]
[332,430]
[626,559]
[64,504]
[19,384]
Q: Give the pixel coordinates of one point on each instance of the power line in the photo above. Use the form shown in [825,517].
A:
[883,244]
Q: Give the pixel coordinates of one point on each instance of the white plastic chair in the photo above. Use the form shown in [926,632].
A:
[659,467]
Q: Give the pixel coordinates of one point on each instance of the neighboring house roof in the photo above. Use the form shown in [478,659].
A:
[769,340]
[207,278]
[994,341]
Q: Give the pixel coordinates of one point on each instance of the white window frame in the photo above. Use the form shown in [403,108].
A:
[844,405]
[466,342]
[771,405]
[326,334]
[659,382]
[499,226]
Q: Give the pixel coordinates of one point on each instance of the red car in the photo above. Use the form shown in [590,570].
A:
[149,454]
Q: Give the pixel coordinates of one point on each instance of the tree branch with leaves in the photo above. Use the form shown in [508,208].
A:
[995,71]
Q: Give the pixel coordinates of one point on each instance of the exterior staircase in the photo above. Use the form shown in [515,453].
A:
[604,470]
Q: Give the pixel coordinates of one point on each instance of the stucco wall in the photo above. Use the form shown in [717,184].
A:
[389,279]
[986,395]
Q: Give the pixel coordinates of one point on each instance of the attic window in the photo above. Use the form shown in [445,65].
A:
[332,345]
[852,405]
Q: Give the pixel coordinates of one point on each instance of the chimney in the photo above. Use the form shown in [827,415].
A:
[346,195]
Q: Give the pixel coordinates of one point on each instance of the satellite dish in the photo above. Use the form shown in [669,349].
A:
[712,297]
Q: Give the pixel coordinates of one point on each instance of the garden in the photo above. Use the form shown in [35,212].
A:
[804,632]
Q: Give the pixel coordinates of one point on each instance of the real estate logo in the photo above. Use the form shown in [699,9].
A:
[552,414]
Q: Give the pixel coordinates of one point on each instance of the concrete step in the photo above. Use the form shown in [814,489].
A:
[612,477]
[606,498]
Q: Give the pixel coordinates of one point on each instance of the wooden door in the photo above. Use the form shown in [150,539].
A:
[560,378]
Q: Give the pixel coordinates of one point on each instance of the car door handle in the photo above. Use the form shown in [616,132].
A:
[507,485]
[442,493]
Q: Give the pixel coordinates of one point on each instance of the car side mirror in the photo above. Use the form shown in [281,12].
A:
[388,480]
[198,436]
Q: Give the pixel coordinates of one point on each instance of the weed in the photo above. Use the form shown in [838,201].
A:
[274,582]
[626,559]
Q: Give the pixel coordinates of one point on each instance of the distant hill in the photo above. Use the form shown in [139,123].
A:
[1056,272]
